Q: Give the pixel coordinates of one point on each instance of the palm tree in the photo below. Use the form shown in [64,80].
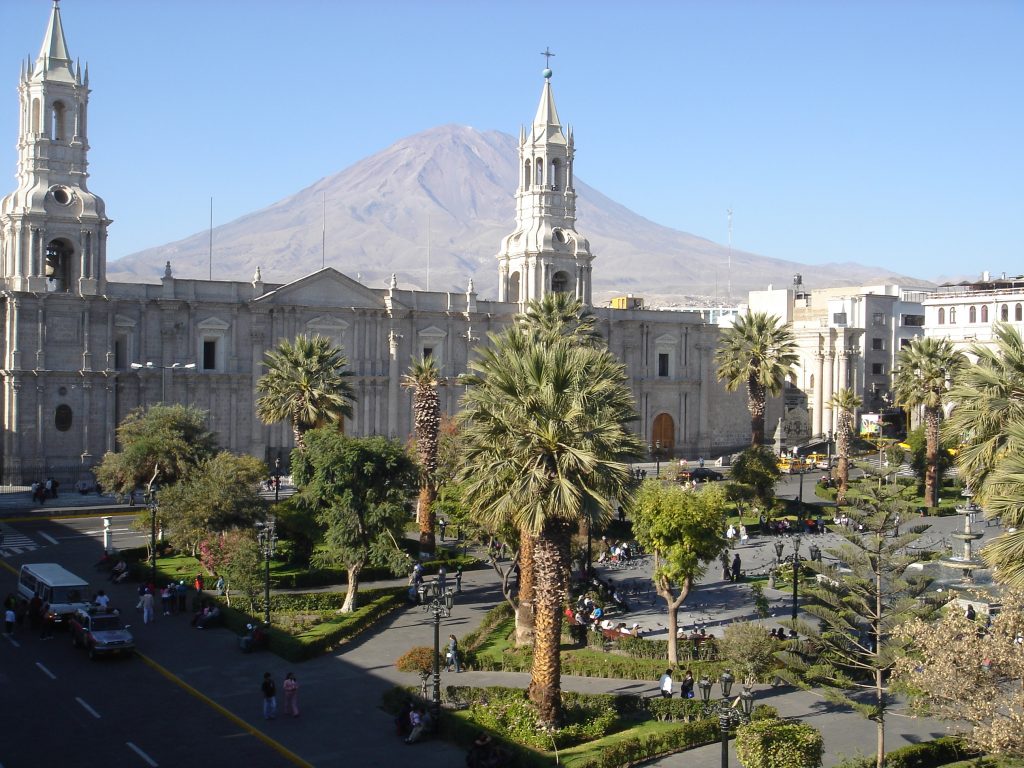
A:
[987,422]
[544,445]
[423,379]
[845,402]
[758,352]
[306,384]
[925,369]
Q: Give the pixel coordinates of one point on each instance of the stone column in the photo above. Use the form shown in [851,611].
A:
[844,368]
[828,417]
[819,400]
[703,435]
[392,428]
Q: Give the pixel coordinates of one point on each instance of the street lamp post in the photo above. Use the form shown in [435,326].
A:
[151,501]
[779,547]
[655,449]
[439,602]
[163,383]
[277,479]
[728,717]
[266,534]
[796,573]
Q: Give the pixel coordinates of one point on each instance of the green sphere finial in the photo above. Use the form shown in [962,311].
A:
[547,74]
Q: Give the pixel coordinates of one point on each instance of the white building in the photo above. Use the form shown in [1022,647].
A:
[846,337]
[965,313]
[79,352]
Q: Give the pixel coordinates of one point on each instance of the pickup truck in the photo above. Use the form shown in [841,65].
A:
[100,632]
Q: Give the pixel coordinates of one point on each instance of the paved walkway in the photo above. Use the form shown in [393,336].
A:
[340,693]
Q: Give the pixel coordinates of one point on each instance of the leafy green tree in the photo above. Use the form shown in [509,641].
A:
[684,531]
[544,441]
[779,744]
[222,492]
[918,442]
[306,384]
[751,649]
[925,370]
[757,469]
[163,441]
[235,555]
[987,423]
[297,523]
[852,647]
[757,352]
[423,379]
[358,488]
[844,403]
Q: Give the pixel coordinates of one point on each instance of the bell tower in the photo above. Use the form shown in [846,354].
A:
[53,231]
[545,254]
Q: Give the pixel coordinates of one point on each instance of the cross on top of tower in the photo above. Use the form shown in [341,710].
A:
[547,54]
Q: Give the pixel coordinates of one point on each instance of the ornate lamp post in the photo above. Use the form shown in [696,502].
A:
[779,546]
[277,479]
[163,383]
[728,717]
[266,534]
[796,573]
[439,602]
[655,450]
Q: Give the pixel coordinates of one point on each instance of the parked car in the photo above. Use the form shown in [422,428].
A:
[101,632]
[704,475]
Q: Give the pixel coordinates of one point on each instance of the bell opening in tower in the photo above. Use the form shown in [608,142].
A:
[560,282]
[58,266]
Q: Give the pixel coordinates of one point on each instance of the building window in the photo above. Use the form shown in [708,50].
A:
[972,315]
[560,282]
[838,318]
[914,321]
[878,318]
[904,343]
[878,343]
[663,364]
[209,354]
[1017,313]
[1004,312]
[121,353]
[428,352]
[942,316]
[878,369]
[952,315]
[984,313]
[62,418]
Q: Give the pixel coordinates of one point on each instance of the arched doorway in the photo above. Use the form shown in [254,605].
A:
[663,433]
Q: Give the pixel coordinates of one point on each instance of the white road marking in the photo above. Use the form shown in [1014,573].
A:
[87,708]
[138,752]
[46,671]
[14,543]
[16,644]
[48,537]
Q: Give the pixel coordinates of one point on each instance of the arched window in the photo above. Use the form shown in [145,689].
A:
[952,315]
[527,175]
[942,316]
[984,313]
[35,115]
[513,287]
[1004,312]
[560,282]
[539,180]
[553,172]
[62,418]
[972,315]
[58,133]
[1017,313]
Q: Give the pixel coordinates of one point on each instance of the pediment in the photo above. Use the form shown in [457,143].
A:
[120,321]
[213,324]
[325,288]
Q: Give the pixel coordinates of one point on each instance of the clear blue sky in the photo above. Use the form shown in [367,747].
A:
[885,133]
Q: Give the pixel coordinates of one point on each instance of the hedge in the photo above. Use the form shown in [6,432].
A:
[321,577]
[630,751]
[927,754]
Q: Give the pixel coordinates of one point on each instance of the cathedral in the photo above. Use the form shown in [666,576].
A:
[80,352]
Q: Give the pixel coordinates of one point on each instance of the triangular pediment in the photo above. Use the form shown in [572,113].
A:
[325,288]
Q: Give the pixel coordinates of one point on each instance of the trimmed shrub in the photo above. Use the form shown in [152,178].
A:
[681,710]
[779,744]
[510,713]
[632,751]
[927,754]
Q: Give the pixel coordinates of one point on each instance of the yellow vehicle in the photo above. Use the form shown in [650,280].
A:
[793,465]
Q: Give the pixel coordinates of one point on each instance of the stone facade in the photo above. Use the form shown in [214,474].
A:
[967,312]
[80,352]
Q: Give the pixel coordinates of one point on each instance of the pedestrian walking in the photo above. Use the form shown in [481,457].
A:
[442,524]
[736,566]
[442,578]
[46,621]
[291,695]
[269,697]
[458,579]
[165,599]
[147,607]
[453,654]
[181,590]
[9,618]
[665,684]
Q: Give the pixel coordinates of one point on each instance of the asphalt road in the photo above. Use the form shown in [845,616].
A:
[63,708]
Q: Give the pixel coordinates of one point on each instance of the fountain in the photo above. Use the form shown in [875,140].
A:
[966,562]
[967,591]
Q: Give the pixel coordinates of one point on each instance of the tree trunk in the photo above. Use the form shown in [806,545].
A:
[297,435]
[673,603]
[524,612]
[425,518]
[756,406]
[551,560]
[931,460]
[844,465]
[353,587]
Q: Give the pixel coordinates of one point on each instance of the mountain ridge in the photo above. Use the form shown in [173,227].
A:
[458,184]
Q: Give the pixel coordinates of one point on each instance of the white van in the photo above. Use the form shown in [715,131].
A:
[61,591]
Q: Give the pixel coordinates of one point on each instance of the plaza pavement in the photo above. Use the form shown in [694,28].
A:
[342,724]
